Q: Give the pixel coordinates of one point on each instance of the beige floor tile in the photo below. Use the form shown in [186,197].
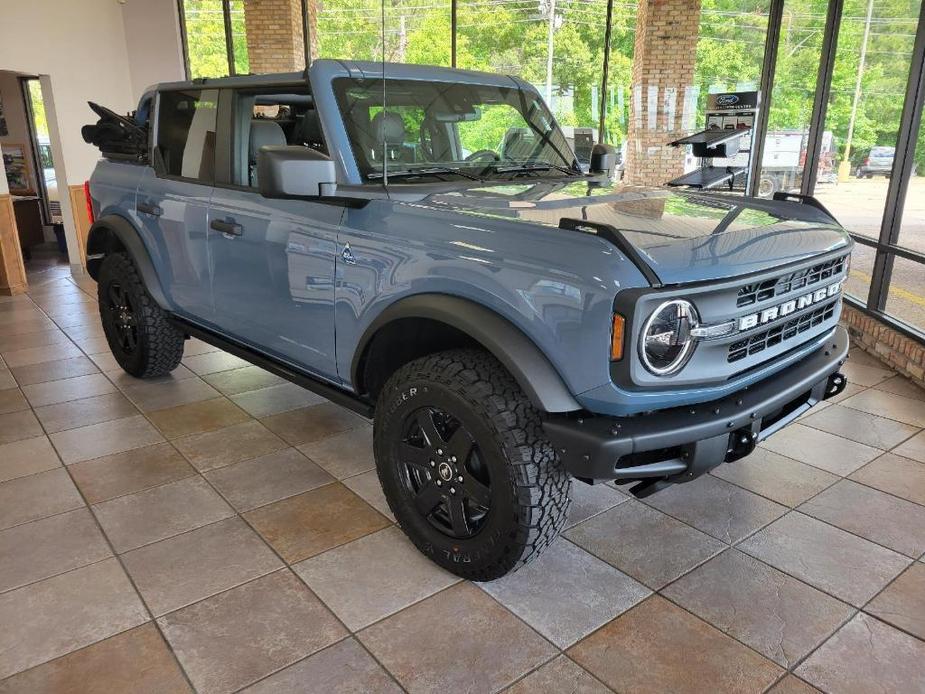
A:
[197,417]
[777,615]
[372,577]
[124,380]
[902,603]
[658,647]
[368,488]
[179,571]
[44,494]
[839,563]
[212,362]
[215,449]
[644,543]
[242,380]
[902,409]
[242,635]
[6,378]
[136,660]
[872,514]
[865,651]
[84,412]
[195,346]
[559,675]
[105,361]
[266,479]
[483,632]
[54,370]
[793,685]
[310,523]
[38,355]
[150,396]
[275,399]
[155,514]
[129,472]
[784,480]
[913,448]
[13,342]
[896,475]
[344,455]
[900,385]
[566,593]
[64,613]
[12,400]
[820,449]
[312,423]
[25,327]
[50,546]
[878,432]
[850,390]
[52,392]
[17,426]
[344,667]
[717,508]
[26,457]
[105,438]
[866,374]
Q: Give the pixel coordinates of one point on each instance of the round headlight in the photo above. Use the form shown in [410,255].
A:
[666,344]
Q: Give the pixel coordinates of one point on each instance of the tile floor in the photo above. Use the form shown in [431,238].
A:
[221,530]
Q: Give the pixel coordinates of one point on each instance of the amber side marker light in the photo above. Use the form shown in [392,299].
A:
[616,340]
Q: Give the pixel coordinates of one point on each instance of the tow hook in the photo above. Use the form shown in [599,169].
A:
[741,443]
[836,384]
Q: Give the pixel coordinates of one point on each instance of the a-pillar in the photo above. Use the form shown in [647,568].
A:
[274,34]
[663,105]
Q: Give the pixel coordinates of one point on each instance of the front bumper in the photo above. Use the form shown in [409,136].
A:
[681,443]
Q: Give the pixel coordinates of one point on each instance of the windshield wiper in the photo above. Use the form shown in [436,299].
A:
[527,168]
[426,171]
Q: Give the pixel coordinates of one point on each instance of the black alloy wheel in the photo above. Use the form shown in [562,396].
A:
[443,471]
[123,315]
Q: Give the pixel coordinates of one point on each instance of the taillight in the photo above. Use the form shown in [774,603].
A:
[89,201]
[616,338]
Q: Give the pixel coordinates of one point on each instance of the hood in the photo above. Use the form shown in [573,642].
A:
[682,236]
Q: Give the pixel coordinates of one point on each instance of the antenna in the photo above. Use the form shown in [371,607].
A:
[385,149]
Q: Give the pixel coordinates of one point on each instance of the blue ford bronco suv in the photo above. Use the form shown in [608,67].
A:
[420,245]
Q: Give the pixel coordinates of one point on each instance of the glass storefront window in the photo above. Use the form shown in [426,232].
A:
[906,296]
[239,37]
[205,38]
[862,268]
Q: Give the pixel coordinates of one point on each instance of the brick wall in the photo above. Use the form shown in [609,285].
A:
[274,34]
[893,348]
[663,68]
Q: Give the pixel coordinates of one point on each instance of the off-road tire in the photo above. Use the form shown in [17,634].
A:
[529,489]
[159,345]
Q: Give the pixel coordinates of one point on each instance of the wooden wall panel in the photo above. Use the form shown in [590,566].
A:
[12,271]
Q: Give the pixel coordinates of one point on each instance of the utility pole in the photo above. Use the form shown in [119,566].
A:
[550,35]
[844,168]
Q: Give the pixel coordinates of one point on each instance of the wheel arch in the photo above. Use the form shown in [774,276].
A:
[449,321]
[113,233]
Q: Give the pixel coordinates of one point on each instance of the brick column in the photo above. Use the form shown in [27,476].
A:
[274,34]
[664,56]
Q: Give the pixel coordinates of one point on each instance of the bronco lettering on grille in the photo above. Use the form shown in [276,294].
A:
[753,320]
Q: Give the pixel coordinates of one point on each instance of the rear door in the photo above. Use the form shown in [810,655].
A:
[173,198]
[272,260]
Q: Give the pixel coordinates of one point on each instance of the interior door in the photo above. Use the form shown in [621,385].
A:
[273,275]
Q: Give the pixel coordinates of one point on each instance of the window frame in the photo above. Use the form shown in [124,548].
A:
[157,161]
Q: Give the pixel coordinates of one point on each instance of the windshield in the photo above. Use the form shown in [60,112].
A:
[442,131]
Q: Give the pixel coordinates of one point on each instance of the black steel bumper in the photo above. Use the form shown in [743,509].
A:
[681,443]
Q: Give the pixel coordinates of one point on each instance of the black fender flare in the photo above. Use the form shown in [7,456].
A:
[113,232]
[533,371]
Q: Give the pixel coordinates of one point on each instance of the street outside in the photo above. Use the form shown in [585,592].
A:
[858,205]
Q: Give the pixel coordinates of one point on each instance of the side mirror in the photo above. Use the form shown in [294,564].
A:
[287,171]
[603,159]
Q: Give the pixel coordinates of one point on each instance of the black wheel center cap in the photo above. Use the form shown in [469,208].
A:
[445,472]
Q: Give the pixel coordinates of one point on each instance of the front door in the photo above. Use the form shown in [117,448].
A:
[273,275]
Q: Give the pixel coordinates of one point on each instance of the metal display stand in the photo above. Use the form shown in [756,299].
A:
[724,147]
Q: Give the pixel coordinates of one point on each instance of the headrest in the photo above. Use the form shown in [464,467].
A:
[265,132]
[388,128]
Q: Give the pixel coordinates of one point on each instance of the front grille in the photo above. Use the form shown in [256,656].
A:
[760,291]
[780,333]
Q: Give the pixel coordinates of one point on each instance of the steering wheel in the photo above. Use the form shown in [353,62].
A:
[487,155]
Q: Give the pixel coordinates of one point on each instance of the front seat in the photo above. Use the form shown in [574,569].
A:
[263,132]
[389,129]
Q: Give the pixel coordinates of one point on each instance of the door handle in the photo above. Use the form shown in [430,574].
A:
[149,208]
[227,226]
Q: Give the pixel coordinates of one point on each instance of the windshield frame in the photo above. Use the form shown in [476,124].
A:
[519,95]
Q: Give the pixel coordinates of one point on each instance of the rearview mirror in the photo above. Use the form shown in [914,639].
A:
[603,159]
[287,171]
